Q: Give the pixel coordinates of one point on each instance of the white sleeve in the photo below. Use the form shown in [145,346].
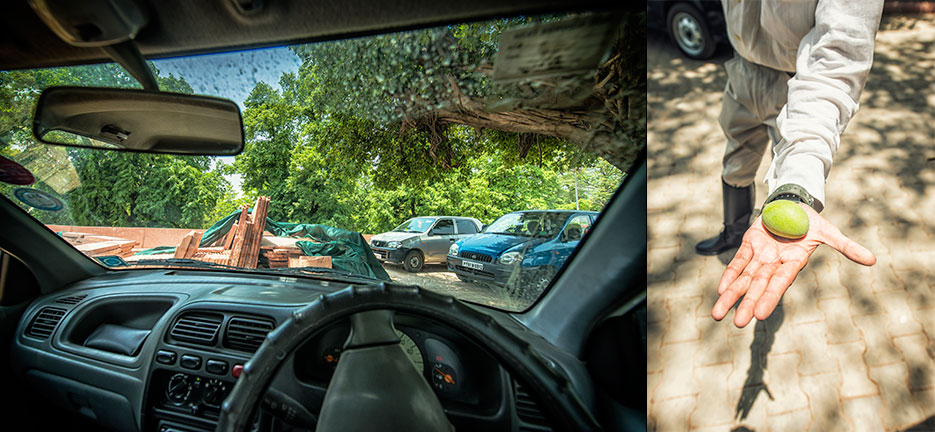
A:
[832,64]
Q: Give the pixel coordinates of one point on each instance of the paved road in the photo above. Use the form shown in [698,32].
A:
[851,348]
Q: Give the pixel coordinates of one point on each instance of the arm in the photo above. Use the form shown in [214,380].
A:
[832,64]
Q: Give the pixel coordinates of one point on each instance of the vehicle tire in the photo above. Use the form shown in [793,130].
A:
[689,31]
[541,279]
[413,262]
[532,283]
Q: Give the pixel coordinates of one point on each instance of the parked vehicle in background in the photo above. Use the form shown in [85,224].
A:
[696,27]
[525,247]
[422,240]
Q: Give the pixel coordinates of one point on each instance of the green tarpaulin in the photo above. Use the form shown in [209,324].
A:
[347,249]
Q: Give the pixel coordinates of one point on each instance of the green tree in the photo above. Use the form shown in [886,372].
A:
[115,188]
[431,79]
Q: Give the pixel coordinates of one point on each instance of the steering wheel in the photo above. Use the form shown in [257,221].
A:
[374,386]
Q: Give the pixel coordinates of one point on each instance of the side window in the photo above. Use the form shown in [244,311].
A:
[576,228]
[466,227]
[444,227]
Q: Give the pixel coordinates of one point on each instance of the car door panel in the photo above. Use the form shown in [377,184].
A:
[439,239]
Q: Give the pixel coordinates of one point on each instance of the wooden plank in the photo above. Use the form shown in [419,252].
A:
[193,246]
[182,249]
[255,235]
[238,238]
[212,249]
[120,247]
[274,242]
[310,261]
[229,237]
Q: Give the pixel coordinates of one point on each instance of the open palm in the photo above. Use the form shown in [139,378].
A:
[765,266]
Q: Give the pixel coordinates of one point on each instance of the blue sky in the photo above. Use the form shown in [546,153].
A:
[231,75]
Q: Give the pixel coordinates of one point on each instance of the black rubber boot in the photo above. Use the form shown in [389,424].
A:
[738,207]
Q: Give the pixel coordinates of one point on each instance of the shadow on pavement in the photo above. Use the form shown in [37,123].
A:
[927,425]
[764,334]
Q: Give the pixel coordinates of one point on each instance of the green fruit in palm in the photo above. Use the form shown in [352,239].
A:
[785,219]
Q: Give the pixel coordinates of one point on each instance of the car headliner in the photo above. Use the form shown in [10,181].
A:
[184,27]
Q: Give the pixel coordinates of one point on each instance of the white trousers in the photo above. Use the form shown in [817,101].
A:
[752,99]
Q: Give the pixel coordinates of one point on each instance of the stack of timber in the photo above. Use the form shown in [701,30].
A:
[278,257]
[246,244]
[97,245]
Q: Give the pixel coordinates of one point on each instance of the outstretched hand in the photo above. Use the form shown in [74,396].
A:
[765,266]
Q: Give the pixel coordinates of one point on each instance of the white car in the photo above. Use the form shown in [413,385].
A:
[423,239]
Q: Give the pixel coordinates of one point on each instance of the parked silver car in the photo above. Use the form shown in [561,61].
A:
[421,240]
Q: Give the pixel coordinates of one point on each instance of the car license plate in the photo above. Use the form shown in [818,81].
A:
[380,255]
[472,265]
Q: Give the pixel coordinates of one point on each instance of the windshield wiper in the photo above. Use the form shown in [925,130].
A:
[184,262]
[324,270]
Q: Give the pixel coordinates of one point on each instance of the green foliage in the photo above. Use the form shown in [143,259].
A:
[136,189]
[329,147]
[116,188]
[343,170]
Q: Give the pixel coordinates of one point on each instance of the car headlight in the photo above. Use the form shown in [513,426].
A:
[453,250]
[510,257]
[394,245]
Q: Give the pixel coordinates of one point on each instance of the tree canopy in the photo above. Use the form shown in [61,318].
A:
[365,134]
[431,79]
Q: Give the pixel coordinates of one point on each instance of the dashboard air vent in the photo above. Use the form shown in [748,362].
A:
[247,334]
[72,300]
[197,327]
[530,416]
[45,321]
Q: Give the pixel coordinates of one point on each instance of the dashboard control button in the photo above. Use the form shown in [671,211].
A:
[165,357]
[216,367]
[236,370]
[179,389]
[190,362]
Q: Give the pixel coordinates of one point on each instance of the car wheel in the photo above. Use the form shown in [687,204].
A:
[541,279]
[690,32]
[532,283]
[413,262]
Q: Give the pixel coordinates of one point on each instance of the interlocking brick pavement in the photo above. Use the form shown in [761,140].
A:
[849,348]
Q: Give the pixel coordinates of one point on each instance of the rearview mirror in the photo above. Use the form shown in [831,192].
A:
[137,120]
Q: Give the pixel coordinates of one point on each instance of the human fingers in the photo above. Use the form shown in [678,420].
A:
[735,267]
[778,284]
[849,248]
[724,303]
[758,285]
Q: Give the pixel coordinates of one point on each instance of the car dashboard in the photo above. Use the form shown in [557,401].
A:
[159,350]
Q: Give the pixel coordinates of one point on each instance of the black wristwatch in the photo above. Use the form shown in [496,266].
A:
[792,192]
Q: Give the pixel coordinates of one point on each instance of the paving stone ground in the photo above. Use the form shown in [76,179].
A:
[850,348]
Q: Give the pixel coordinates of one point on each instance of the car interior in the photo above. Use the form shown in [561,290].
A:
[87,347]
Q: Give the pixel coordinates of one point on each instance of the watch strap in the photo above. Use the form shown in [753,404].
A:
[792,192]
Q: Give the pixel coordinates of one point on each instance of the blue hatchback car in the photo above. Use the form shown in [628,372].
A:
[536,243]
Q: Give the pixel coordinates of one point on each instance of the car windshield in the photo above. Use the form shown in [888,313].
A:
[416,225]
[533,224]
[346,139]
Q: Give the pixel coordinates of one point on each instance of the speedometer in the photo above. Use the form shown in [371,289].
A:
[412,350]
